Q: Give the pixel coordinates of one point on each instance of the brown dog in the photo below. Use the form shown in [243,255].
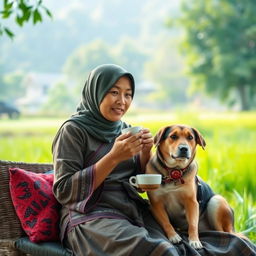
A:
[184,199]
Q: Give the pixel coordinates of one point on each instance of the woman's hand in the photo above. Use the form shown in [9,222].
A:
[147,141]
[126,146]
[147,144]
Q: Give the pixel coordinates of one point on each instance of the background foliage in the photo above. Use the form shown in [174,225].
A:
[21,11]
[220,44]
[217,41]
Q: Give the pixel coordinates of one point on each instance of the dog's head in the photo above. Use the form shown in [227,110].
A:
[177,144]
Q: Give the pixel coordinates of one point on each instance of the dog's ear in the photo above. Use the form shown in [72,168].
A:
[162,135]
[199,138]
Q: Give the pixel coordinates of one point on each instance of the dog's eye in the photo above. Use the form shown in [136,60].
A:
[174,137]
[190,137]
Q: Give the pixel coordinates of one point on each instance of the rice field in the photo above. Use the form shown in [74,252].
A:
[228,162]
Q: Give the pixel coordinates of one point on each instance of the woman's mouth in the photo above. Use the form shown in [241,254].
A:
[118,111]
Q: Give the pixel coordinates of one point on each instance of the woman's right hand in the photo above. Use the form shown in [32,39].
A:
[126,146]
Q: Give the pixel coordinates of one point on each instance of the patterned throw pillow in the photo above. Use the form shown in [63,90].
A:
[35,204]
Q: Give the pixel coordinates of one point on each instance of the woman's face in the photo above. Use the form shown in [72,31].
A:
[117,100]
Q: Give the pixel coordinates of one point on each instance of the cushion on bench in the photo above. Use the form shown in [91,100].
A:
[35,204]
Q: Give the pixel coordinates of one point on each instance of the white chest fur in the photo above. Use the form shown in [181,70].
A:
[168,193]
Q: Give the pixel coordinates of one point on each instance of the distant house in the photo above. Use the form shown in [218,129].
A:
[37,87]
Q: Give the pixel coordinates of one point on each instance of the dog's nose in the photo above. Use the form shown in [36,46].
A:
[183,149]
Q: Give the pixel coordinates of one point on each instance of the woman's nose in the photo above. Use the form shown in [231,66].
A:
[121,99]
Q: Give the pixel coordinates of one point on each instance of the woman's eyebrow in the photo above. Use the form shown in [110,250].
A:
[116,86]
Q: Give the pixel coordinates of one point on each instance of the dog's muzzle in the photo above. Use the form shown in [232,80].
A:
[183,152]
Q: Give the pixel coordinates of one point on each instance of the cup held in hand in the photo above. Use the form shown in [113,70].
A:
[132,130]
[146,181]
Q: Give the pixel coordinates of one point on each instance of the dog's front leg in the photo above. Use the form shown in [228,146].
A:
[160,214]
[192,214]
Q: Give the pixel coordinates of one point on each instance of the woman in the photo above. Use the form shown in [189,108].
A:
[102,214]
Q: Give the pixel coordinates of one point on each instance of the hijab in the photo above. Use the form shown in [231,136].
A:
[88,116]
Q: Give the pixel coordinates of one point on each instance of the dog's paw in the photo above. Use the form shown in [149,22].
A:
[175,239]
[196,244]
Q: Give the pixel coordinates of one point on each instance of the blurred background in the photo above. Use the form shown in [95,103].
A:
[196,54]
[194,62]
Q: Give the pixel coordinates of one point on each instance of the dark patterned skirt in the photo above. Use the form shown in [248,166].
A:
[119,237]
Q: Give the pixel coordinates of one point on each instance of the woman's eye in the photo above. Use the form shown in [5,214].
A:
[114,92]
[128,95]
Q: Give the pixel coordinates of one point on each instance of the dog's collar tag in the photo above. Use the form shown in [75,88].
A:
[174,176]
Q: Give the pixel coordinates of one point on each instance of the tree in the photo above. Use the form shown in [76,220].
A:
[21,11]
[131,57]
[220,44]
[85,58]
[11,85]
[165,70]
[61,100]
[97,52]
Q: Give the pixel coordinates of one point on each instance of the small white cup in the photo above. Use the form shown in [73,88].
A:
[146,181]
[132,130]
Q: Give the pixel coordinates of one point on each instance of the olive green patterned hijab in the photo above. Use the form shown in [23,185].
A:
[88,115]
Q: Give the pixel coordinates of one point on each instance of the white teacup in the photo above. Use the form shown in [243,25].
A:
[146,181]
[132,130]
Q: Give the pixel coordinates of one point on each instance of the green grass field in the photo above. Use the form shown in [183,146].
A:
[228,162]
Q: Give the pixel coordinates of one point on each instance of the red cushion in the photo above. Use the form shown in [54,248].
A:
[35,204]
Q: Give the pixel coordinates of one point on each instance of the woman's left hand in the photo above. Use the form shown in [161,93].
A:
[147,140]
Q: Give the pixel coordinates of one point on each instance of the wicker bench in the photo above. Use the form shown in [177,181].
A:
[13,240]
